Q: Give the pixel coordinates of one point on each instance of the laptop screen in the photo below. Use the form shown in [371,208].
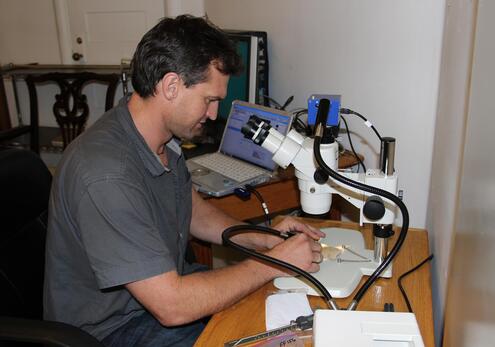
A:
[236,145]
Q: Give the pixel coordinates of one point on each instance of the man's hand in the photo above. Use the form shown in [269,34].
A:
[290,224]
[300,250]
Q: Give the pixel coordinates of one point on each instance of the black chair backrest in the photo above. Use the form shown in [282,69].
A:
[25,187]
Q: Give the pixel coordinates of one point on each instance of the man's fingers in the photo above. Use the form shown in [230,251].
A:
[315,267]
[316,246]
[315,233]
[290,224]
[317,257]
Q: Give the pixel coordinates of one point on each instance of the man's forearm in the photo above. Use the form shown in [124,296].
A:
[208,222]
[176,300]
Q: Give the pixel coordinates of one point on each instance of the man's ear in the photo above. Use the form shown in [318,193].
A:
[170,85]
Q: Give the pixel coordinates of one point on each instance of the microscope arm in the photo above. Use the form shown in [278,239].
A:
[297,150]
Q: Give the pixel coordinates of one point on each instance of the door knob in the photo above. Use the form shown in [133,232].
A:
[76,56]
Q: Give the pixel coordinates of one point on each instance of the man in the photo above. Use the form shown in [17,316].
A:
[122,205]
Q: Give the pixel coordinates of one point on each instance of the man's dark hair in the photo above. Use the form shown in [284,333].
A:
[185,45]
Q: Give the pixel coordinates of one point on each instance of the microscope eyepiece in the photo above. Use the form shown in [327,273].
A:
[249,129]
[256,129]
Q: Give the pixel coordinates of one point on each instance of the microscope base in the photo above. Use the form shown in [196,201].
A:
[340,275]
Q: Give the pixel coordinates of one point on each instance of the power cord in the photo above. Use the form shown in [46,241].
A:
[352,146]
[319,134]
[245,194]
[399,281]
[377,191]
[264,206]
[277,104]
[367,122]
[299,125]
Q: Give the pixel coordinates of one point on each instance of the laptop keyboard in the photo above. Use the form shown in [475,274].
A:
[229,167]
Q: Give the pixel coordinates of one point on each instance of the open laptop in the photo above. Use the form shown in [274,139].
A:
[238,161]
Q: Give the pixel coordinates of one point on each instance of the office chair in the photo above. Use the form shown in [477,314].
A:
[25,187]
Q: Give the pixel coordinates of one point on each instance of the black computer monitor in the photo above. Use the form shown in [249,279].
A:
[252,84]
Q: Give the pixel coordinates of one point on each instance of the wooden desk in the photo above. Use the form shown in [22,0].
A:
[248,316]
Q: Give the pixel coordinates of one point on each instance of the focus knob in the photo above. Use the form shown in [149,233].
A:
[320,176]
[374,208]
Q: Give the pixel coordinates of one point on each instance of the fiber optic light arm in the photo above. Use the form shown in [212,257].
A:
[374,193]
[316,187]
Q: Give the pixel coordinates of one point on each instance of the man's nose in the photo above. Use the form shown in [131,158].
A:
[212,110]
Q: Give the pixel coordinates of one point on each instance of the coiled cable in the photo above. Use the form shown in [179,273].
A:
[377,191]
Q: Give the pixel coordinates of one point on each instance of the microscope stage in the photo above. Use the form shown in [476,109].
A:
[341,274]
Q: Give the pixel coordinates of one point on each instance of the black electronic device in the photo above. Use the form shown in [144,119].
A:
[252,84]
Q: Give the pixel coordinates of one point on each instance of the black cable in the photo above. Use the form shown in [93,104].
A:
[264,206]
[287,102]
[352,146]
[377,191]
[349,111]
[373,190]
[273,101]
[399,281]
[277,104]
[299,125]
[238,229]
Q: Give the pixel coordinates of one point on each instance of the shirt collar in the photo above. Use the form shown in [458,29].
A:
[150,159]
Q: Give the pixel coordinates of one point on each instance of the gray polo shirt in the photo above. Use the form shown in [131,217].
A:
[116,215]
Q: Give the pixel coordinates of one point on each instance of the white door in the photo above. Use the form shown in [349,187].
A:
[104,32]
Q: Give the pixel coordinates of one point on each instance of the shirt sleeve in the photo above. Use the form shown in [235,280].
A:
[119,233]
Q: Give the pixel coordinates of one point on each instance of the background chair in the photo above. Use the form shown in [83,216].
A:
[25,187]
[70,108]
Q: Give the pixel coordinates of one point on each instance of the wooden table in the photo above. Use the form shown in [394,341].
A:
[248,316]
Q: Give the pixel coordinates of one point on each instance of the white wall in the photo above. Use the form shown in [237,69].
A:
[382,56]
[469,312]
[449,144]
[176,7]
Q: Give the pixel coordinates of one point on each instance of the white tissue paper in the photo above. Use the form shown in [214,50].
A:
[282,308]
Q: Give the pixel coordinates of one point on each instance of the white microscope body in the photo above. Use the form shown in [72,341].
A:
[342,274]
